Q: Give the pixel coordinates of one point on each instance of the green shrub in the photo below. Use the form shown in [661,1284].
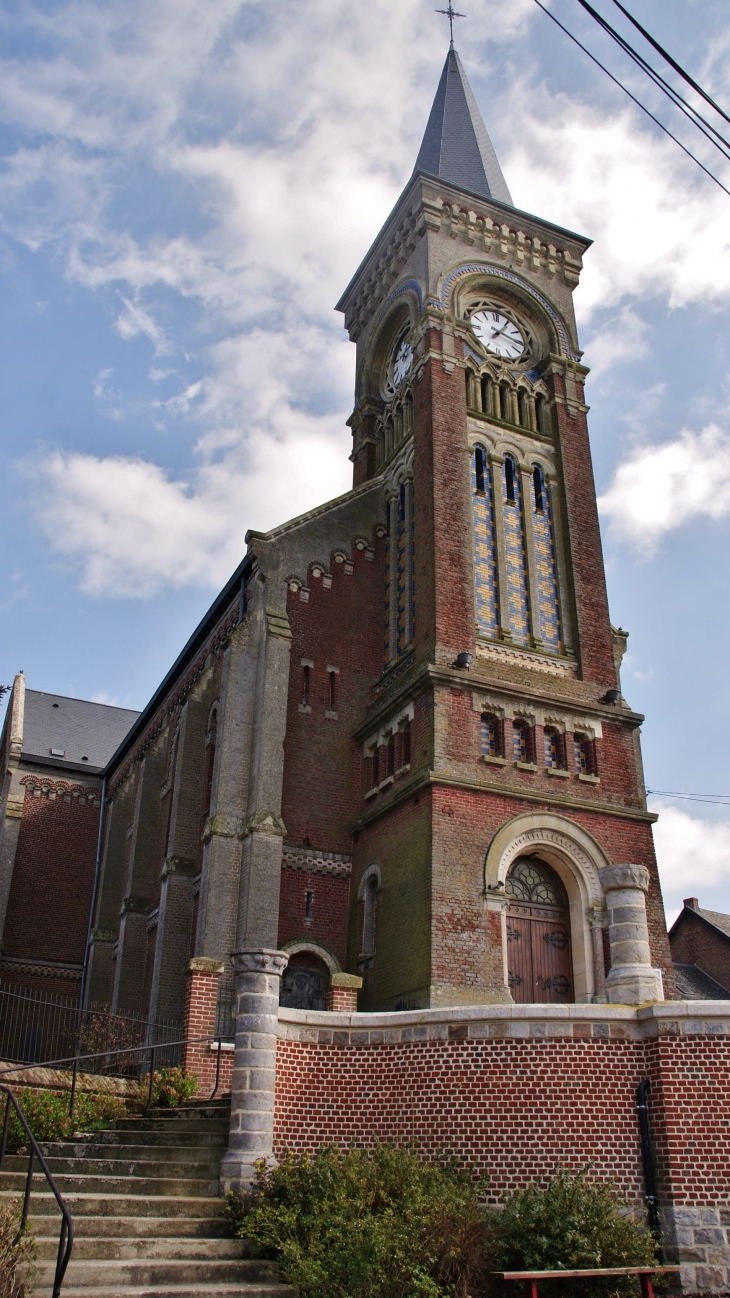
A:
[46,1113]
[570,1223]
[173,1087]
[16,1252]
[366,1223]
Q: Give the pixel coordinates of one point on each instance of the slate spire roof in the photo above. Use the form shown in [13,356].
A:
[456,146]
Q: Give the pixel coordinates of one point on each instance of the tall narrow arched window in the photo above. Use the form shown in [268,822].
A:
[408,413]
[552,757]
[370,898]
[486,403]
[404,736]
[538,486]
[480,464]
[398,425]
[510,477]
[210,746]
[541,414]
[523,742]
[505,401]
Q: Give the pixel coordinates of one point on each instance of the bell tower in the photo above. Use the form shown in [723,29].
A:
[522,760]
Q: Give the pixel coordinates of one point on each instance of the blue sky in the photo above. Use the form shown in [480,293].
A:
[186,189]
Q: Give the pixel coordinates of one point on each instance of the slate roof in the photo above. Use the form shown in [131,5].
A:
[693,984]
[456,146]
[84,734]
[717,918]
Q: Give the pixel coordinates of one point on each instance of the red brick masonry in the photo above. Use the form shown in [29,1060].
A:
[518,1088]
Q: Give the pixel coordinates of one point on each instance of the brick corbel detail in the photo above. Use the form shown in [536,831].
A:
[341,996]
[201,1001]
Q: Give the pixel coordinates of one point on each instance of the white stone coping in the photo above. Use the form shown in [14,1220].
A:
[665,1018]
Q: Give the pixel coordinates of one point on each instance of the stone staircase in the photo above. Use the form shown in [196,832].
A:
[148,1218]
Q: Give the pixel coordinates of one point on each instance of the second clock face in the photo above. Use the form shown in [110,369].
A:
[402,361]
[498,334]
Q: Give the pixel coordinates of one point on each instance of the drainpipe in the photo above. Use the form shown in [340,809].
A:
[650,1196]
[94,894]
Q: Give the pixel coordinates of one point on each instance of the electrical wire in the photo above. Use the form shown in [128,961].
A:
[672,62]
[716,799]
[633,98]
[691,113]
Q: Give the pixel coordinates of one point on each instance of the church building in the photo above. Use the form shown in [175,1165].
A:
[396,747]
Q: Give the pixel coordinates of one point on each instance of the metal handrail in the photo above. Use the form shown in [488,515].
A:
[75,1060]
[66,1237]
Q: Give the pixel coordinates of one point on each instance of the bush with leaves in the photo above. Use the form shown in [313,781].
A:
[568,1224]
[362,1223]
[16,1252]
[173,1087]
[46,1113]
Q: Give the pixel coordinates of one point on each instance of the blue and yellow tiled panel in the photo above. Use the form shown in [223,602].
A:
[386,628]
[489,736]
[412,517]
[547,578]
[401,617]
[514,544]
[485,564]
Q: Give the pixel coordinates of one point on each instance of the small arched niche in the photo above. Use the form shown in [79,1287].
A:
[307,976]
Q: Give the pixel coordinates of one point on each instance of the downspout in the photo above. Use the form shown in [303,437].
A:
[650,1195]
[94,894]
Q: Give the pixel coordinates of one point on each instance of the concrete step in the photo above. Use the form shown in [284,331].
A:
[189,1274]
[142,1186]
[204,1169]
[177,1291]
[106,1204]
[154,1139]
[162,1125]
[105,1248]
[95,1149]
[133,1229]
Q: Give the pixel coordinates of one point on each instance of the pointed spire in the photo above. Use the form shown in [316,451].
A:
[456,146]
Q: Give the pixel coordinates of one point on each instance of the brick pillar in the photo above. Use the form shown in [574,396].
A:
[258,977]
[342,993]
[201,1001]
[631,979]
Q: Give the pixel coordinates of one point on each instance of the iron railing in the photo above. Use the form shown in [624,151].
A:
[36,1027]
[66,1235]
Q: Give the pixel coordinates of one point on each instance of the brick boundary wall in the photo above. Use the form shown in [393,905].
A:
[518,1088]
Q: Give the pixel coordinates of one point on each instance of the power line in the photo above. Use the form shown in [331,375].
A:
[695,117]
[672,63]
[716,799]
[633,98]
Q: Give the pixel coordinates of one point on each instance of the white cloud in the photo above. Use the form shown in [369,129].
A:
[693,857]
[662,487]
[622,338]
[280,137]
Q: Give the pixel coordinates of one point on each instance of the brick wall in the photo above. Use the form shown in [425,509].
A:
[50,893]
[518,1089]
[330,900]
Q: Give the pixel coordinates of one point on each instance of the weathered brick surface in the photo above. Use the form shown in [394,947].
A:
[329,908]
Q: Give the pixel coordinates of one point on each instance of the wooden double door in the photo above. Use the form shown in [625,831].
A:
[538,934]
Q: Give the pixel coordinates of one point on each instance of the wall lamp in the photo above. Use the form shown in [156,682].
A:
[611,696]
[464,661]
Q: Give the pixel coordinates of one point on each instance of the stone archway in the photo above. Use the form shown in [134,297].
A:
[576,859]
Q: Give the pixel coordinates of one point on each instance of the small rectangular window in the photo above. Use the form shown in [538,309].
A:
[551,747]
[519,740]
[306,670]
[405,744]
[308,904]
[333,691]
[580,746]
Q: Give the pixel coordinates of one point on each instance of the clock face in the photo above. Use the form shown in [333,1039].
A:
[498,334]
[402,362]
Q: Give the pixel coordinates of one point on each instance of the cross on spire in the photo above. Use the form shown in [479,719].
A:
[451,14]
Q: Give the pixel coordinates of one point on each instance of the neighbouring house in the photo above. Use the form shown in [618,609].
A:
[700,945]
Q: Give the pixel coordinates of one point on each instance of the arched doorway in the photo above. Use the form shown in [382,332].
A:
[304,983]
[538,933]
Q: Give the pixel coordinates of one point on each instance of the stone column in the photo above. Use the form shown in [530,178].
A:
[596,916]
[258,975]
[631,979]
[341,995]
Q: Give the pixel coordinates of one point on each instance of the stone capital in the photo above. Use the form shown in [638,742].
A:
[262,822]
[624,876]
[221,826]
[184,865]
[350,981]
[261,961]
[133,905]
[204,965]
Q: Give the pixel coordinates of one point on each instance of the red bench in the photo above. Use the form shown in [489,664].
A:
[530,1278]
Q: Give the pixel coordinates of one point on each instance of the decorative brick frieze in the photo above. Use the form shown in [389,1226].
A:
[313,861]
[39,786]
